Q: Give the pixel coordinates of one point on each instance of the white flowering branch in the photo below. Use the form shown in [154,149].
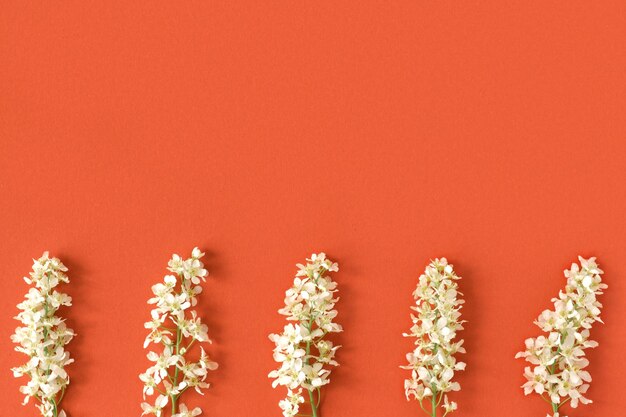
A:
[432,362]
[43,337]
[558,374]
[172,373]
[302,350]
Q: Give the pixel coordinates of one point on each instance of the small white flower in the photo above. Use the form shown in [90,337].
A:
[448,406]
[156,409]
[185,412]
[558,361]
[301,349]
[43,337]
[432,362]
[176,328]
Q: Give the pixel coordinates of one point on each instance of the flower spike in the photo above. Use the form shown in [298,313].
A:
[558,359]
[44,336]
[301,349]
[432,362]
[172,372]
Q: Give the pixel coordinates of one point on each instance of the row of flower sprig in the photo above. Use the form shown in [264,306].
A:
[559,373]
[303,351]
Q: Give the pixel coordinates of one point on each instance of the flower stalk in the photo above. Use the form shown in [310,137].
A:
[558,373]
[432,362]
[302,349]
[43,337]
[173,373]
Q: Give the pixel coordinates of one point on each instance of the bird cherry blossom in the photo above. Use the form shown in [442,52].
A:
[303,352]
[43,337]
[176,328]
[435,326]
[558,359]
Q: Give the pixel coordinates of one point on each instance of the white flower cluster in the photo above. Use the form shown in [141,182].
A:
[172,374]
[558,360]
[44,336]
[432,362]
[301,349]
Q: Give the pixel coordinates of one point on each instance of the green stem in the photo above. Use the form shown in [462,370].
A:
[175,397]
[61,397]
[45,338]
[313,406]
[555,408]
[433,402]
[308,358]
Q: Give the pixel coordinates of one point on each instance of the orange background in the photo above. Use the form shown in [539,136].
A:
[384,133]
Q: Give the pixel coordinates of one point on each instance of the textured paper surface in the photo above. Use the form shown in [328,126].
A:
[384,133]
